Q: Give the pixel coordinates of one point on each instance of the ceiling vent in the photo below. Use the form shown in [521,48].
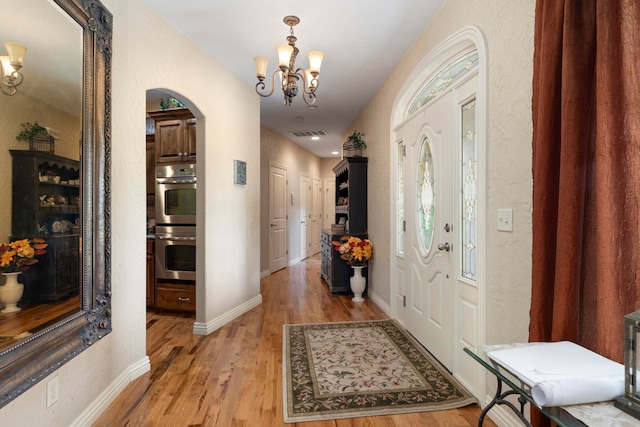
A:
[308,133]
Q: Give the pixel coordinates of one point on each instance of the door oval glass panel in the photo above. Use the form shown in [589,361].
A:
[426,195]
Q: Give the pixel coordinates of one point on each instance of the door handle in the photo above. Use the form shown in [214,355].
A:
[447,227]
[273,225]
[444,246]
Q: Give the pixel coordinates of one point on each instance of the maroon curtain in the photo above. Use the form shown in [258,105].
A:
[586,173]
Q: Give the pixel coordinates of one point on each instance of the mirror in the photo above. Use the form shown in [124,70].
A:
[66,306]
[51,96]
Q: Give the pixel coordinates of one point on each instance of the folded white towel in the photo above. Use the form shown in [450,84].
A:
[563,373]
[573,391]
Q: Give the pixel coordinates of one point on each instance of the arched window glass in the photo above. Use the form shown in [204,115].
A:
[444,79]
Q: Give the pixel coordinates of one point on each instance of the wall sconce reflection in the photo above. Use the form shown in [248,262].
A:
[11,65]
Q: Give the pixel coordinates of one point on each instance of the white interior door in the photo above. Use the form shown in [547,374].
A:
[329,203]
[277,218]
[428,282]
[305,216]
[316,215]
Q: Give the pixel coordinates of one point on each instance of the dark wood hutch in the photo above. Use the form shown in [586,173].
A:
[46,203]
[351,210]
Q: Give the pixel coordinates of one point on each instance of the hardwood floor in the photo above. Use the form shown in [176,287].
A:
[33,318]
[233,377]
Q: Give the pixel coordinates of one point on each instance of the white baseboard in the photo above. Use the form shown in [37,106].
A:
[379,302]
[265,273]
[98,406]
[200,328]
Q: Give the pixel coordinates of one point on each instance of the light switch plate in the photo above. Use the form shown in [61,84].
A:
[505,219]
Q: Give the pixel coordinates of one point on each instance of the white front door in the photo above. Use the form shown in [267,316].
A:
[277,218]
[316,216]
[428,262]
[439,192]
[305,216]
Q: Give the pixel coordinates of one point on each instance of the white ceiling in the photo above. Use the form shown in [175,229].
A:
[362,41]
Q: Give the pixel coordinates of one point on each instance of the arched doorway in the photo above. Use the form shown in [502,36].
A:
[174,128]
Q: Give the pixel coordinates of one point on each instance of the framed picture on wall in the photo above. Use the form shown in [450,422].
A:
[239,172]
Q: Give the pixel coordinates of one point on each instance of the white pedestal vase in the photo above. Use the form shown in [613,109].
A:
[358,283]
[11,292]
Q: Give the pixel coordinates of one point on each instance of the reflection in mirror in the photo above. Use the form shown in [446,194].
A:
[43,189]
[56,189]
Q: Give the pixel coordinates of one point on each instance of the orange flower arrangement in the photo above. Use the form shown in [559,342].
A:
[354,250]
[20,254]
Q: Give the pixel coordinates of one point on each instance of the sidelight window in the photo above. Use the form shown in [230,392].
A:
[469,198]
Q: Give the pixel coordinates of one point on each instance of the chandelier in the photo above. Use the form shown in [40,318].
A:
[11,65]
[287,72]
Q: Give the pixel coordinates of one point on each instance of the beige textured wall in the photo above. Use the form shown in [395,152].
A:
[278,149]
[508,28]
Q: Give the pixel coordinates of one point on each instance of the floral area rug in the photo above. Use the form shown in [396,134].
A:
[358,369]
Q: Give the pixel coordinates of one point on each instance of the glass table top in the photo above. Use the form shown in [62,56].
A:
[556,414]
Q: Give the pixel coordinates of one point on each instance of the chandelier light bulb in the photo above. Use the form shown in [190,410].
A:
[284,55]
[261,66]
[16,54]
[315,61]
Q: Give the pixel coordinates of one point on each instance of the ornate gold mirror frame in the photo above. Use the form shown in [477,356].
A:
[32,359]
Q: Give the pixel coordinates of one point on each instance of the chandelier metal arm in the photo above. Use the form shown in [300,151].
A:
[308,88]
[262,86]
[10,82]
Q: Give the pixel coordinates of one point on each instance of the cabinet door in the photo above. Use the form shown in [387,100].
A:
[151,273]
[190,139]
[67,272]
[151,164]
[169,141]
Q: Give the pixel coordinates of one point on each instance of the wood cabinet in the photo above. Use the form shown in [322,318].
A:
[333,269]
[151,272]
[175,137]
[351,210]
[45,202]
[326,248]
[351,194]
[45,190]
[57,275]
[151,165]
[176,296]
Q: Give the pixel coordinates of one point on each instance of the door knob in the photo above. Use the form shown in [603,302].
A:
[444,246]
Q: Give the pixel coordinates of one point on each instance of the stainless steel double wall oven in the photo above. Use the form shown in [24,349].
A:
[176,223]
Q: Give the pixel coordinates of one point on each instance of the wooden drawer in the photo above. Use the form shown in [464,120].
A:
[176,296]
[327,251]
[325,238]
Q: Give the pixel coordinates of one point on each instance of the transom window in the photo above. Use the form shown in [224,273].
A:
[444,79]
